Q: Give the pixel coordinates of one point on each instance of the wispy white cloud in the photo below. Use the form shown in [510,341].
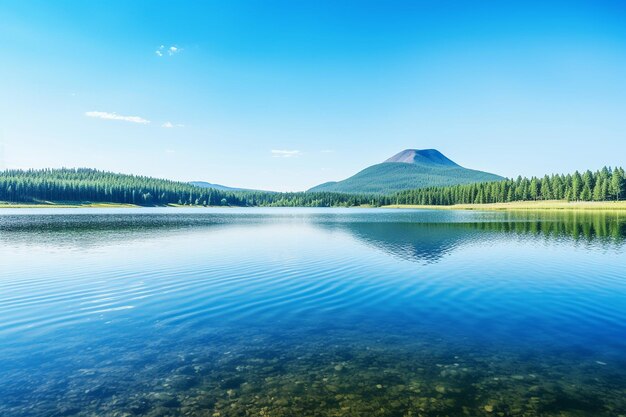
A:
[114,116]
[170,125]
[169,50]
[283,153]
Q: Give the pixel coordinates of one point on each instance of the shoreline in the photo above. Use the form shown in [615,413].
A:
[513,206]
[524,205]
[65,205]
[50,204]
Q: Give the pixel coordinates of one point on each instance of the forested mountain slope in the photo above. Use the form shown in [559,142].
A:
[407,170]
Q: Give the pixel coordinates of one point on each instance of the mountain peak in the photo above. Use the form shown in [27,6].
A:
[422,156]
[409,169]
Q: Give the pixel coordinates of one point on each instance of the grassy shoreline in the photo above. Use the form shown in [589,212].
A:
[86,204]
[517,205]
[525,205]
[53,204]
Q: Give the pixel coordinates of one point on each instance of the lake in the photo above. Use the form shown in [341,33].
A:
[311,312]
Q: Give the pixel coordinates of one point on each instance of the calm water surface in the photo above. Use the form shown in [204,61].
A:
[311,312]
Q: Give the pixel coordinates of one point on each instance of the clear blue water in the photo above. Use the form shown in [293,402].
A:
[311,312]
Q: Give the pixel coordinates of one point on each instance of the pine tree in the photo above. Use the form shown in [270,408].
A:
[585,194]
[598,190]
[617,183]
[577,186]
[546,191]
[588,180]
[533,189]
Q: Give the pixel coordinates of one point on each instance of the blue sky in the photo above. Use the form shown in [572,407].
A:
[286,95]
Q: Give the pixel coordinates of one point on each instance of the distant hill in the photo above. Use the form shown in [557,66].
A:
[409,169]
[203,184]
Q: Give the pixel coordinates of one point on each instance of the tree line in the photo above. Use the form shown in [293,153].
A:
[602,185]
[80,185]
[89,185]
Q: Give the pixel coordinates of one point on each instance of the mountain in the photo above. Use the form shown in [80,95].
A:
[203,184]
[411,168]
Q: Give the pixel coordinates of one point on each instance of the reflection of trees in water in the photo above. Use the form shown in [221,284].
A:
[429,242]
[412,240]
[586,226]
[84,231]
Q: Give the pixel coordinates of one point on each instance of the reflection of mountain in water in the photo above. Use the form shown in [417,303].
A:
[429,242]
[424,242]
